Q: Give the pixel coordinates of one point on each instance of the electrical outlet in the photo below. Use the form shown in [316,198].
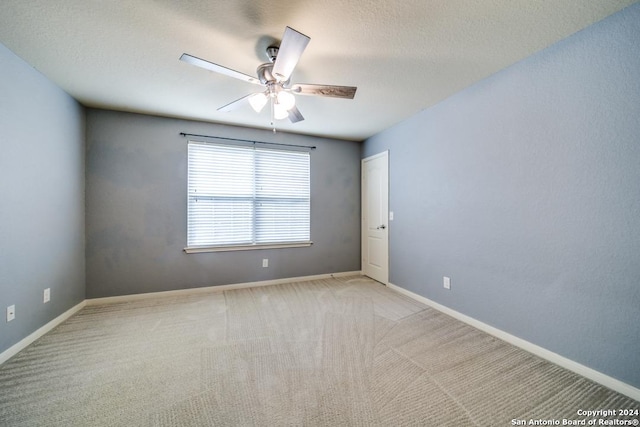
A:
[446,282]
[11,313]
[47,295]
[265,262]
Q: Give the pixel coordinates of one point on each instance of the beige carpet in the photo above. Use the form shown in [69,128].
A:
[335,352]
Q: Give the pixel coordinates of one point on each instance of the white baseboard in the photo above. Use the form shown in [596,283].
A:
[219,288]
[592,374]
[26,341]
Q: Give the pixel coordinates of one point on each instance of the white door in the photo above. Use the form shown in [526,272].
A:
[375,215]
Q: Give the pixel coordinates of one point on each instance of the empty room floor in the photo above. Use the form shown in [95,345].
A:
[341,351]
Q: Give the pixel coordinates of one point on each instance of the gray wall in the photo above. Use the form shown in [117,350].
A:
[525,190]
[137,207]
[41,199]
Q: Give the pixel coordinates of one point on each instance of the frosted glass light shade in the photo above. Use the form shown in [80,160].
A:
[258,101]
[286,99]
[279,112]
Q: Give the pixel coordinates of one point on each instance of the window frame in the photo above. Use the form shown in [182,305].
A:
[255,200]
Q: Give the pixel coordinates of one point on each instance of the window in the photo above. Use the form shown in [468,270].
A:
[243,197]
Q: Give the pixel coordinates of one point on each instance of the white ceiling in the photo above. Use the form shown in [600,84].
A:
[403,56]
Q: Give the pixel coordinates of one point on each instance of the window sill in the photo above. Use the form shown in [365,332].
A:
[202,249]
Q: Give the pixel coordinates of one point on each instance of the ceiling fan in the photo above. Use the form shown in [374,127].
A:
[275,77]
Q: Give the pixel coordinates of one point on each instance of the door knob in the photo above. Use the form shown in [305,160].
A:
[381,227]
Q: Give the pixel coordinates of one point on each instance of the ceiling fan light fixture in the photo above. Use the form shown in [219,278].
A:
[286,99]
[279,112]
[258,101]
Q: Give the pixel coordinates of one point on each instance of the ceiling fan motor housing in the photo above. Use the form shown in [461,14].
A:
[265,71]
[265,74]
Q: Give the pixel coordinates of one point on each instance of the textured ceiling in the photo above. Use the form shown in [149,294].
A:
[404,56]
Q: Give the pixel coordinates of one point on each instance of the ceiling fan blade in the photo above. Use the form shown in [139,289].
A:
[289,53]
[189,59]
[235,104]
[347,92]
[295,115]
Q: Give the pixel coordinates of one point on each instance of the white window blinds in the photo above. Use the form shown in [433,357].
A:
[243,196]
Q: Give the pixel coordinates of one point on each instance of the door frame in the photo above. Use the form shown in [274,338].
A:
[363,207]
